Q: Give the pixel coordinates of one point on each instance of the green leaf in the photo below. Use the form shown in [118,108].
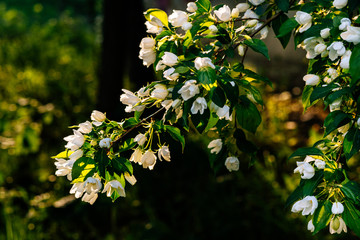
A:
[218,96]
[352,191]
[102,161]
[83,168]
[175,133]
[320,92]
[212,121]
[351,216]
[258,46]
[352,142]
[306,94]
[243,144]
[181,70]
[322,215]
[203,6]
[127,144]
[247,115]
[207,76]
[130,122]
[306,188]
[122,165]
[64,154]
[232,93]
[160,14]
[283,5]
[200,121]
[276,24]
[305,151]
[287,27]
[335,120]
[355,65]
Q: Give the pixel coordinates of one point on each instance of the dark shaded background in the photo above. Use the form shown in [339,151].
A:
[61,59]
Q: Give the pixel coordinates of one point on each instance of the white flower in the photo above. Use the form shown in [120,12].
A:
[337,208]
[311,79]
[178,18]
[333,73]
[339,4]
[85,127]
[64,168]
[148,160]
[251,24]
[160,66]
[335,105]
[223,13]
[243,7]
[140,139]
[352,35]
[131,100]
[235,12]
[189,90]
[154,25]
[170,75]
[113,186]
[92,187]
[309,45]
[310,226]
[143,92]
[306,205]
[345,60]
[241,50]
[75,141]
[130,178]
[232,164]
[105,143]
[344,23]
[336,49]
[136,156]
[213,29]
[147,43]
[264,32]
[199,105]
[160,91]
[305,169]
[325,33]
[337,225]
[191,7]
[78,189]
[97,116]
[76,155]
[358,122]
[164,153]
[215,146]
[303,19]
[250,14]
[148,56]
[203,63]
[256,2]
[186,26]
[223,112]
[176,103]
[320,164]
[320,48]
[169,59]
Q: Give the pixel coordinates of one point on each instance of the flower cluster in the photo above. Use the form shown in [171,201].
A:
[330,35]
[204,87]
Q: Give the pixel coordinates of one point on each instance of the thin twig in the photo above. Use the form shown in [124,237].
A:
[137,125]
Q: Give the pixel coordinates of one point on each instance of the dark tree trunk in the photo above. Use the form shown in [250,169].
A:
[123,29]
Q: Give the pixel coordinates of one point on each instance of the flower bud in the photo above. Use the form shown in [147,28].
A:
[251,23]
[325,33]
[191,7]
[169,59]
[105,143]
[213,28]
[186,26]
[241,50]
[140,139]
[337,208]
[98,116]
[243,7]
[160,92]
[256,2]
[311,79]
[232,164]
[339,4]
[235,12]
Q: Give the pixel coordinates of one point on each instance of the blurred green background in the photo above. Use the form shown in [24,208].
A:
[59,60]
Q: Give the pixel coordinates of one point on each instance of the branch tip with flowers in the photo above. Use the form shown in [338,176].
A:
[204,85]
